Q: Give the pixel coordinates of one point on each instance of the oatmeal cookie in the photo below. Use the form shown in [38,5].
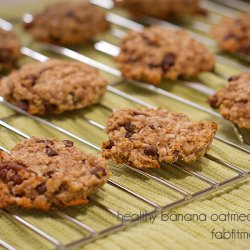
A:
[233,100]
[40,173]
[9,50]
[158,52]
[163,9]
[233,34]
[68,23]
[146,138]
[53,87]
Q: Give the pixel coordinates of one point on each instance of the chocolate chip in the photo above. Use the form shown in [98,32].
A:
[213,102]
[23,104]
[68,143]
[168,61]
[110,145]
[51,152]
[54,38]
[32,78]
[50,173]
[40,140]
[50,108]
[4,170]
[5,55]
[152,127]
[128,134]
[233,78]
[137,113]
[41,189]
[17,179]
[12,166]
[98,172]
[154,65]
[151,151]
[129,127]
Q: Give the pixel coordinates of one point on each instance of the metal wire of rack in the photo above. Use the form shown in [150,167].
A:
[112,50]
[92,234]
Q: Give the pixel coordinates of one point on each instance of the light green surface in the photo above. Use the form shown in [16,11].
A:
[146,235]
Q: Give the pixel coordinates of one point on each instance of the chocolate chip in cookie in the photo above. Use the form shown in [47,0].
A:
[176,55]
[32,177]
[159,136]
[47,88]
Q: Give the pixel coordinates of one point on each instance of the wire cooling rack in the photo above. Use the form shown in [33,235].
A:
[88,232]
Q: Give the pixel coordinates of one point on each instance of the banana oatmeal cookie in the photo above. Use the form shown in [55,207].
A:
[233,100]
[146,138]
[53,87]
[68,23]
[163,9]
[9,50]
[158,52]
[233,34]
[40,173]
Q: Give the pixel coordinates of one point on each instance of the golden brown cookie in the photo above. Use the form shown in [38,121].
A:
[233,34]
[40,173]
[146,138]
[68,23]
[53,87]
[158,52]
[233,100]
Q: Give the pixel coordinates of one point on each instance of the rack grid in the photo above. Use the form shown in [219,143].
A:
[90,234]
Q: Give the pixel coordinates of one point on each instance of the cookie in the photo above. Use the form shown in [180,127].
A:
[41,173]
[146,138]
[53,87]
[233,100]
[68,23]
[158,52]
[233,34]
[164,9]
[9,50]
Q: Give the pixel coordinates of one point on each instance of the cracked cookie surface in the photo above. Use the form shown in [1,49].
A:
[233,34]
[40,173]
[233,100]
[158,52]
[68,23]
[146,138]
[9,50]
[53,87]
